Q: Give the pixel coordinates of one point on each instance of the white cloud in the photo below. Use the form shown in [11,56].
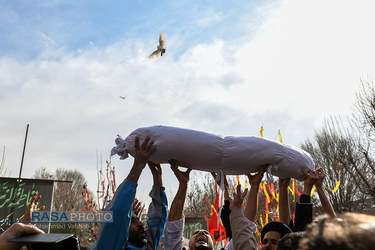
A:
[45,40]
[211,18]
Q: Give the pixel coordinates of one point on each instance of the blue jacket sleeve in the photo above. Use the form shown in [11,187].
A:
[115,235]
[157,217]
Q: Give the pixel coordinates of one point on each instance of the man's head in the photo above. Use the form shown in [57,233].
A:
[201,239]
[348,231]
[137,235]
[272,233]
[290,241]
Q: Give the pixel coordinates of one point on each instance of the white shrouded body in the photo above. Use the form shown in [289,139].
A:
[208,152]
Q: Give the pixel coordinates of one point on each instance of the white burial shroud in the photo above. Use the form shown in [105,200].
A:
[212,153]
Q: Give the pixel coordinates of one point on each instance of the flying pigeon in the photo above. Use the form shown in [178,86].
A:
[161,47]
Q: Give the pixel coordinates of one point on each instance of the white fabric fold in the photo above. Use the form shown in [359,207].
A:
[269,175]
[120,149]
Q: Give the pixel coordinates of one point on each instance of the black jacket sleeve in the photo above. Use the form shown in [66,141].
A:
[225,212]
[303,214]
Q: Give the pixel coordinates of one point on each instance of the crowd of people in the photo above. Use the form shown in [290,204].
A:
[329,231]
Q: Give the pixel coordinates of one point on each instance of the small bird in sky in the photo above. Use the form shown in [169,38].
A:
[122,97]
[161,47]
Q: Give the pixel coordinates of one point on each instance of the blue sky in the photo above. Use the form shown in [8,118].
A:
[31,27]
[230,68]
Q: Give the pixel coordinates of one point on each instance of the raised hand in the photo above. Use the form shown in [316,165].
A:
[311,177]
[257,178]
[141,157]
[156,173]
[32,207]
[182,177]
[238,198]
[321,175]
[137,207]
[143,153]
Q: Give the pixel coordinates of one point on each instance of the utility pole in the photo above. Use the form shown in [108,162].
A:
[23,153]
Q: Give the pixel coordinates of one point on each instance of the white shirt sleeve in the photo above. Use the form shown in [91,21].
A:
[253,228]
[174,234]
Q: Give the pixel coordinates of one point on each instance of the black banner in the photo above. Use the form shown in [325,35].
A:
[15,196]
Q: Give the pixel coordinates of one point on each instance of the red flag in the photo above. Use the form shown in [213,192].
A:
[295,187]
[270,191]
[218,234]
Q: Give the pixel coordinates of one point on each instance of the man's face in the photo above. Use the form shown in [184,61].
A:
[137,235]
[185,245]
[270,240]
[201,239]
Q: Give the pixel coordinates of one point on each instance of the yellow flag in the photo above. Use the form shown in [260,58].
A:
[277,208]
[273,195]
[213,209]
[266,193]
[293,191]
[258,233]
[280,138]
[337,186]
[312,190]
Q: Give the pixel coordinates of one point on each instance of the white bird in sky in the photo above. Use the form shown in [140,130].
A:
[161,47]
[122,97]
